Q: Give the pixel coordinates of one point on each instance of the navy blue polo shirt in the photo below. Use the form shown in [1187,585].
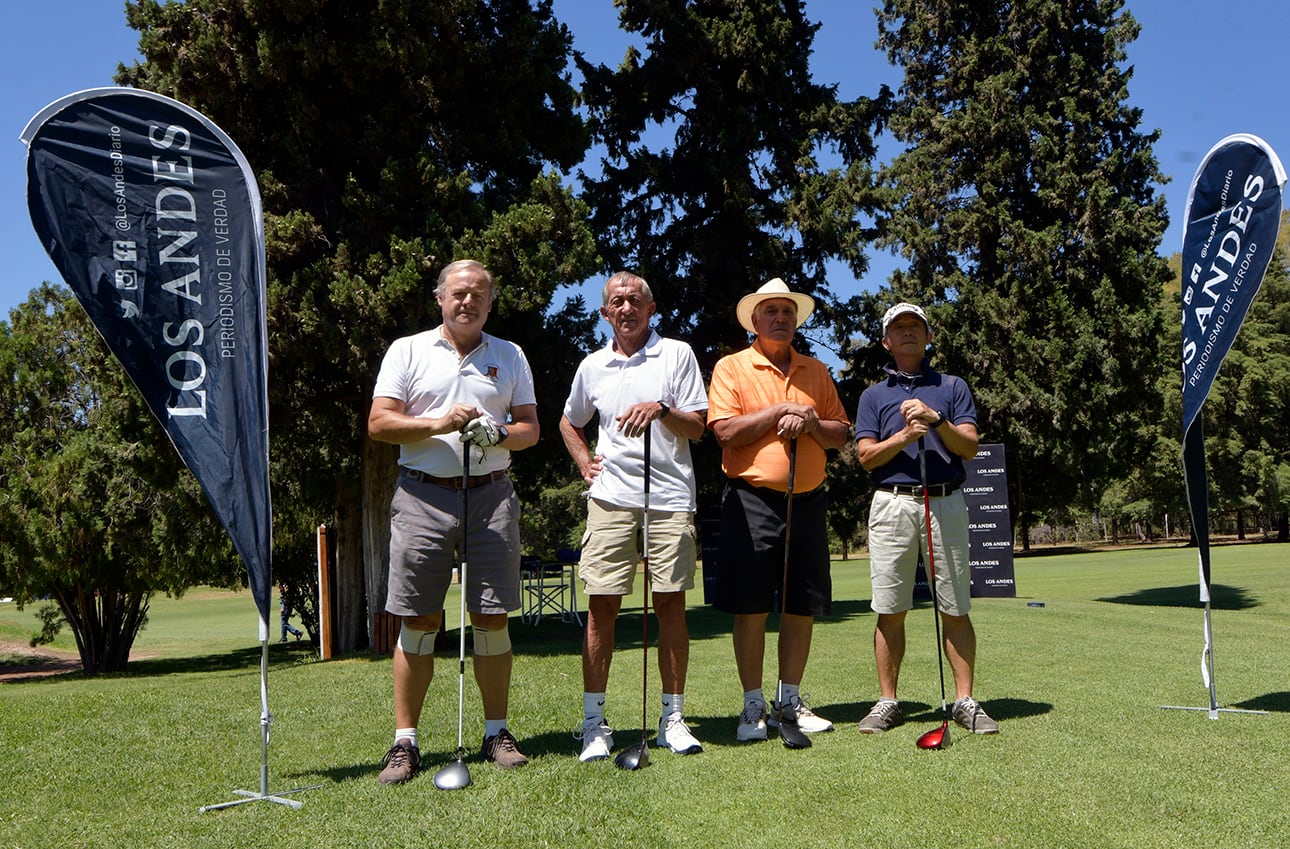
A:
[878,416]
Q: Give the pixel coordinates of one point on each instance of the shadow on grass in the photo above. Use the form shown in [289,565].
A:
[1222,597]
[247,659]
[1271,702]
[551,636]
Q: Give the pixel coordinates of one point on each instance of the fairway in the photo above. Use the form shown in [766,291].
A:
[1086,757]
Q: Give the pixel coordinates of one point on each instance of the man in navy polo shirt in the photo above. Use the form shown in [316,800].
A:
[917,402]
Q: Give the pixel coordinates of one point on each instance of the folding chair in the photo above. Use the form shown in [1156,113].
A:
[548,587]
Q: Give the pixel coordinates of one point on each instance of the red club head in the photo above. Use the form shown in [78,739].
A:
[937,738]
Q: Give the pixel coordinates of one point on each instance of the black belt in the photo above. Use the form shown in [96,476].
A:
[936,490]
[454,483]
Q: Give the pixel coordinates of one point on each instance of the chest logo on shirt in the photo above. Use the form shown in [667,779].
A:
[490,372]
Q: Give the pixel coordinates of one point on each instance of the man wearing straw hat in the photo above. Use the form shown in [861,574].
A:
[761,400]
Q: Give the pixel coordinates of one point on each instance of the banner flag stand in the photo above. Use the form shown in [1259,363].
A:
[153,218]
[1230,232]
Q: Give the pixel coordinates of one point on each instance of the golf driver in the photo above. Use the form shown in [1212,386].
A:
[937,738]
[455,775]
[789,734]
[637,756]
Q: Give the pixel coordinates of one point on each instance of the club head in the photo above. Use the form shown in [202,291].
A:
[792,736]
[937,738]
[633,757]
[454,776]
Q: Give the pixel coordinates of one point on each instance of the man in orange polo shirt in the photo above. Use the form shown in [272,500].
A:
[761,400]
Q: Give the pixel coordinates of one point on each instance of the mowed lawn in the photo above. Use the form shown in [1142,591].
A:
[1086,757]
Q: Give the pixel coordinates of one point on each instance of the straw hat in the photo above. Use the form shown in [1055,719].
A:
[773,288]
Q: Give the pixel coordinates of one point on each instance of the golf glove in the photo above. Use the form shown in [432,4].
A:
[482,431]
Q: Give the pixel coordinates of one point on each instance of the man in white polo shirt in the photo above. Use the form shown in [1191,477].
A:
[437,391]
[639,380]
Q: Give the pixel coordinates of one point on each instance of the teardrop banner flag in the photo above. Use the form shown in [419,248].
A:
[153,217]
[1233,215]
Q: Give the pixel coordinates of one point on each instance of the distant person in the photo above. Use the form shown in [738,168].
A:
[639,380]
[284,612]
[917,402]
[436,390]
[762,399]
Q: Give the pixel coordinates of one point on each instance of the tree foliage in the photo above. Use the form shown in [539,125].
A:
[96,509]
[714,177]
[389,138]
[1025,206]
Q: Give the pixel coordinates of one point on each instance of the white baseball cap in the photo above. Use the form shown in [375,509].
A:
[900,309]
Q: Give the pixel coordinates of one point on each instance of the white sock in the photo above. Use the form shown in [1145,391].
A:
[788,692]
[673,703]
[751,696]
[493,727]
[593,705]
[405,734]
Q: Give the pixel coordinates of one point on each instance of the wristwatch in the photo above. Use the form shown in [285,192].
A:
[940,420]
[502,433]
[666,410]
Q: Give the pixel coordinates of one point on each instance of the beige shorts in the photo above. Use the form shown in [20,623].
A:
[611,549]
[898,536]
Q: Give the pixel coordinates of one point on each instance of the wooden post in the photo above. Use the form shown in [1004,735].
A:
[324,596]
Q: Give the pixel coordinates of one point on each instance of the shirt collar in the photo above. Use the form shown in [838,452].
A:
[649,349]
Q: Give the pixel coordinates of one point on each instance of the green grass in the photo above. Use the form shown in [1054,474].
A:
[1086,757]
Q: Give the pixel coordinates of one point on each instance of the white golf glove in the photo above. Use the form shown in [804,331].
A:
[482,431]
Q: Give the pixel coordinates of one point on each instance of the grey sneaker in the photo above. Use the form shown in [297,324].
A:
[597,739]
[752,722]
[883,716]
[402,761]
[973,717]
[502,750]
[675,734]
[798,712]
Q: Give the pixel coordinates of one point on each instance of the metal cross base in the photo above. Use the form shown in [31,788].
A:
[1214,712]
[252,796]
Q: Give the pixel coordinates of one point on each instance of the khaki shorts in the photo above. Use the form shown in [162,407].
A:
[611,549]
[898,535]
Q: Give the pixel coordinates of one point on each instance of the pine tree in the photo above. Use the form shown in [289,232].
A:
[1026,206]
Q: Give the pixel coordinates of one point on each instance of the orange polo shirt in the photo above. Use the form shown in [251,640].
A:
[746,382]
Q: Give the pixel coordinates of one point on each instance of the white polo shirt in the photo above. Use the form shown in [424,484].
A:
[425,372]
[608,383]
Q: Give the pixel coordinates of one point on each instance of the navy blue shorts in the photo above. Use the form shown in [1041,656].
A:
[750,569]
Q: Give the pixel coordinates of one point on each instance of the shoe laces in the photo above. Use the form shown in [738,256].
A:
[590,726]
[798,704]
[674,721]
[505,741]
[753,713]
[968,705]
[399,755]
[884,709]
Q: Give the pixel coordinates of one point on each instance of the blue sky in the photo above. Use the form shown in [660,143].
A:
[1202,70]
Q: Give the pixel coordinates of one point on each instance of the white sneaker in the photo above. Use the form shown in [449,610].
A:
[752,722]
[597,739]
[675,734]
[797,711]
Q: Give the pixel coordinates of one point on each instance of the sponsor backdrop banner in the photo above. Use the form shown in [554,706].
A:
[989,527]
[153,217]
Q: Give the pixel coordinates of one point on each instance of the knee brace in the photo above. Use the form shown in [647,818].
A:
[413,641]
[489,643]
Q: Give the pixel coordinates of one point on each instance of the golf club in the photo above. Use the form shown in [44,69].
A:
[455,775]
[789,734]
[937,738]
[637,756]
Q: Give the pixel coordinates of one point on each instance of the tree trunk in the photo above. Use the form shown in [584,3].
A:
[350,624]
[380,475]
